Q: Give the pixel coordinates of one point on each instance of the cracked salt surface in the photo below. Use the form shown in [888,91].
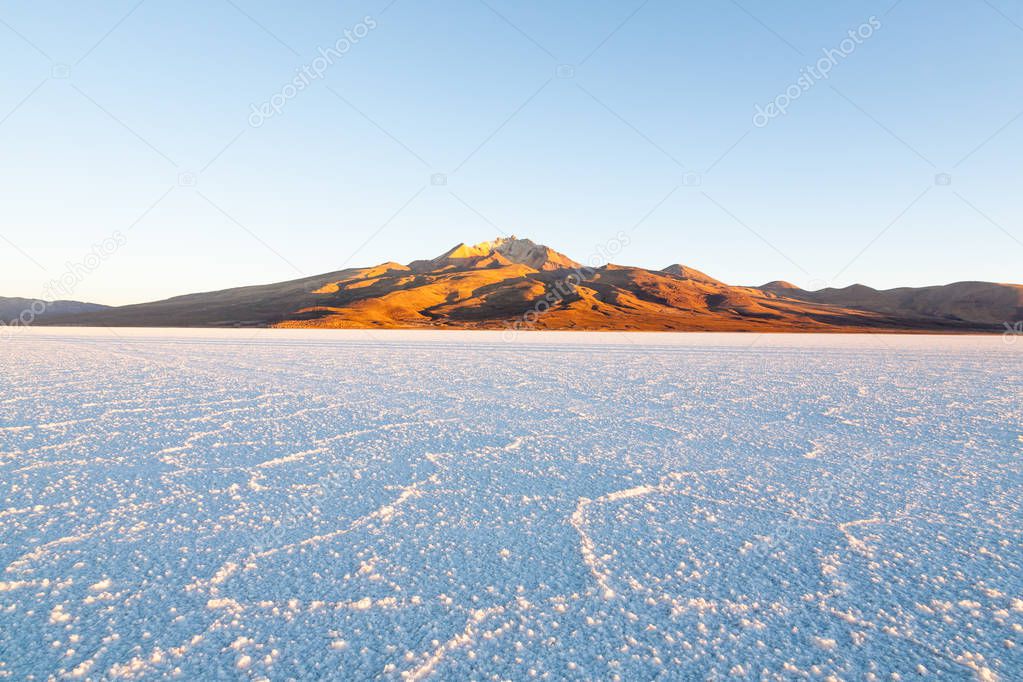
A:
[275,505]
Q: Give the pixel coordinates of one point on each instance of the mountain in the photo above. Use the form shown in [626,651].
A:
[518,283]
[975,302]
[21,310]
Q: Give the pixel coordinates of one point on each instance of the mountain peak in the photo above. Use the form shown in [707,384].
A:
[513,249]
[686,272]
[528,252]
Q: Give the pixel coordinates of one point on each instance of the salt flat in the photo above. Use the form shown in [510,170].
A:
[451,505]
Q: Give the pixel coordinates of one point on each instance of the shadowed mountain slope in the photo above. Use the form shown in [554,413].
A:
[974,302]
[17,310]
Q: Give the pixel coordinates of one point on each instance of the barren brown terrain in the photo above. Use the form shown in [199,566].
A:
[516,283]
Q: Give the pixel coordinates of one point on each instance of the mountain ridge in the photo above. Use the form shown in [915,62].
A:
[16,310]
[518,283]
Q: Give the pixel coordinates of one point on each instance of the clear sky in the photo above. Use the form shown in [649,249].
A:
[460,120]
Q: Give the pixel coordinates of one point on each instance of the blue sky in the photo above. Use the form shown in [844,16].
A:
[566,122]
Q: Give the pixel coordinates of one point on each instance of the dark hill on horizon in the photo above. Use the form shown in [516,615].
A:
[15,310]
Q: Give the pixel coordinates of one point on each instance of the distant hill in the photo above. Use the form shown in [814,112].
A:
[16,310]
[519,283]
[974,302]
